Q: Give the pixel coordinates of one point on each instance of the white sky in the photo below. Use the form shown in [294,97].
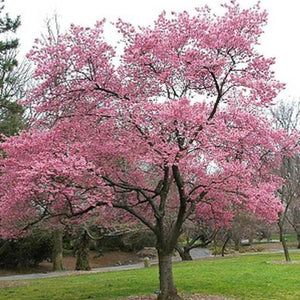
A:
[281,38]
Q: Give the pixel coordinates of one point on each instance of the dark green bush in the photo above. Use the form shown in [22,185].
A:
[25,252]
[130,241]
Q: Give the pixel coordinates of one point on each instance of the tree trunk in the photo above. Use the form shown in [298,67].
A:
[282,239]
[224,245]
[168,290]
[82,253]
[57,251]
[237,244]
[297,229]
[184,253]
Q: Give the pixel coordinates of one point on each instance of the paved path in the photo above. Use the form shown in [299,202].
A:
[66,273]
[196,253]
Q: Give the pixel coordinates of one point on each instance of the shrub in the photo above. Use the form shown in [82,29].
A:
[25,252]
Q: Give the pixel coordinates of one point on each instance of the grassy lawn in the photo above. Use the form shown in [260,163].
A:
[244,277]
[290,237]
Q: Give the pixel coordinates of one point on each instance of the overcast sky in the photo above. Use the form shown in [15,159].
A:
[281,38]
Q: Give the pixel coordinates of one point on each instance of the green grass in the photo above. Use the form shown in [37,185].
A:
[290,237]
[244,277]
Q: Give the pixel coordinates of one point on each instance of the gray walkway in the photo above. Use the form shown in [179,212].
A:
[196,254]
[66,273]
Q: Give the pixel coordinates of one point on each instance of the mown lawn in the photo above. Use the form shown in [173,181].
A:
[244,277]
[290,237]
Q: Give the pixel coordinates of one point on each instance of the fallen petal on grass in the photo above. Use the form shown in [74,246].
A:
[284,262]
[185,297]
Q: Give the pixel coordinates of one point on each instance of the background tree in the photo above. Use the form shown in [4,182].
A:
[195,234]
[287,116]
[179,122]
[12,77]
[98,226]
[244,227]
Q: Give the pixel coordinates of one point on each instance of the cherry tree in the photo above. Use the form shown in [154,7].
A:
[176,124]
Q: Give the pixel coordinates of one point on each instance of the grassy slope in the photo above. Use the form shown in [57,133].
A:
[245,277]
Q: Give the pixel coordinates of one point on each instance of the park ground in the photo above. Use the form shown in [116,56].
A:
[114,258]
[235,277]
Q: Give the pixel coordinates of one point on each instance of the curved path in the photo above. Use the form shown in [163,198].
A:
[196,253]
[66,273]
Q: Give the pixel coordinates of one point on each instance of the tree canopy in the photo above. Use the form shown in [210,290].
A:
[10,76]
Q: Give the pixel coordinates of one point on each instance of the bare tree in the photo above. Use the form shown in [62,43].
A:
[293,215]
[287,116]
[52,33]
[196,234]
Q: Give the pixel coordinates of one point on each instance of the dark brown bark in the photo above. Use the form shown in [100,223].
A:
[168,290]
[282,239]
[297,229]
[167,228]
[184,253]
[82,253]
[57,251]
[225,244]
[237,244]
